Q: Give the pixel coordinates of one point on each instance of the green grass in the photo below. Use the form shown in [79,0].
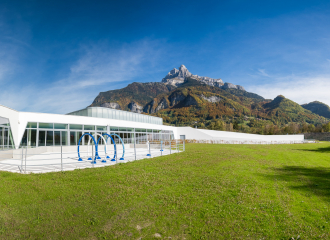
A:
[208,192]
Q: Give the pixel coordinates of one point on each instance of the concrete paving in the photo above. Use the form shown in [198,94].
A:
[52,161]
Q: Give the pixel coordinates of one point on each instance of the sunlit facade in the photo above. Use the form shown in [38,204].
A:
[21,129]
[26,129]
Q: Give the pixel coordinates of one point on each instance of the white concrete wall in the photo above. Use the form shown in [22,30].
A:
[203,134]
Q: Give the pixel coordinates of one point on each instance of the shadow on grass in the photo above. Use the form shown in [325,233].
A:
[321,150]
[311,181]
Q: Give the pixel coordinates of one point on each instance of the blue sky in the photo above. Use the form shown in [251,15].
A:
[56,56]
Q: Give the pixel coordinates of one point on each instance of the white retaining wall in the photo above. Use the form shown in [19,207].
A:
[203,134]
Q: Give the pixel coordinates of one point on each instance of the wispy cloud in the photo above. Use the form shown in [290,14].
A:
[262,72]
[299,89]
[99,68]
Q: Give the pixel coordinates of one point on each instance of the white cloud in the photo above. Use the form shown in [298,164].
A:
[99,68]
[262,72]
[299,89]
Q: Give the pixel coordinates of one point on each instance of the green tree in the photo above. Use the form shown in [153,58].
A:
[326,127]
[219,125]
[235,125]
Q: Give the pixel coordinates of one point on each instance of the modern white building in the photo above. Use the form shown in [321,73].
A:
[19,129]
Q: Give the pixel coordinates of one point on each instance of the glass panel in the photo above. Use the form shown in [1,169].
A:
[94,112]
[129,129]
[76,126]
[1,136]
[99,112]
[101,128]
[105,113]
[84,112]
[46,125]
[32,125]
[140,130]
[99,139]
[89,127]
[57,138]
[79,134]
[11,141]
[149,130]
[49,140]
[121,135]
[5,137]
[89,112]
[32,137]
[24,138]
[73,138]
[113,128]
[87,138]
[60,126]
[42,136]
[64,138]
[122,129]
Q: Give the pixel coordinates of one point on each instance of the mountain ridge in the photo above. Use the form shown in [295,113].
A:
[182,98]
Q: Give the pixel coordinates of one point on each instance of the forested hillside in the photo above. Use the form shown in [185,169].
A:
[318,108]
[196,104]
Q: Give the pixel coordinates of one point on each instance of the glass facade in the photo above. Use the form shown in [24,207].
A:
[6,137]
[101,112]
[54,134]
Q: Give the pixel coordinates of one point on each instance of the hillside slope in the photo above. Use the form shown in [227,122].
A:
[184,99]
[318,108]
[287,111]
[141,93]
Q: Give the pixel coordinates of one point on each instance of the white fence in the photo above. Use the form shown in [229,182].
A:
[248,142]
[64,158]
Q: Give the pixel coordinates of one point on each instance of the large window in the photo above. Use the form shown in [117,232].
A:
[57,138]
[6,138]
[42,138]
[74,137]
[45,134]
[58,134]
[49,139]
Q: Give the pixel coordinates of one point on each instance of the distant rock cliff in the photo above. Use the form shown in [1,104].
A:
[112,105]
[135,107]
[176,77]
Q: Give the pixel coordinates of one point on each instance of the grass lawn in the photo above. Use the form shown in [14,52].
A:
[208,192]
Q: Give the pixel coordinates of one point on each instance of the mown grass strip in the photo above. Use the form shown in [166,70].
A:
[208,192]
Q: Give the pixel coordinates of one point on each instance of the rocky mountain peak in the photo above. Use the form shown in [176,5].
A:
[180,74]
[183,72]
[177,77]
